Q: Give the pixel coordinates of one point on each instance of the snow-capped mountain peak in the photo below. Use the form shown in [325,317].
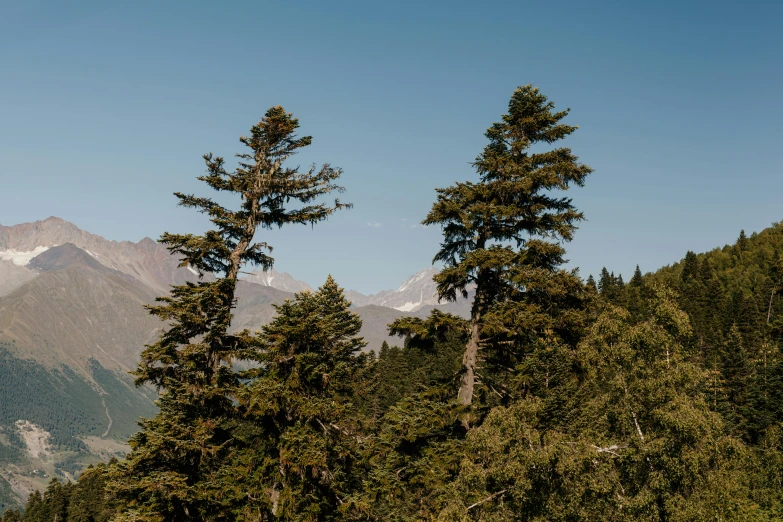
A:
[415,293]
[419,279]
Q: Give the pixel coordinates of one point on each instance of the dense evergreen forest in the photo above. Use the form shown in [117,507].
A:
[559,398]
[62,402]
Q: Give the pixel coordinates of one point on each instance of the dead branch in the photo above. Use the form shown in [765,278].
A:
[491,497]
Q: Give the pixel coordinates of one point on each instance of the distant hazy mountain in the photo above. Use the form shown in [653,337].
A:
[13,276]
[73,323]
[416,296]
[418,292]
[68,296]
[76,310]
[147,260]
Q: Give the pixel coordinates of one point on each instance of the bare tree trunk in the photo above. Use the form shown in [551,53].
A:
[633,415]
[261,171]
[470,356]
[769,310]
[244,243]
[465,395]
[235,258]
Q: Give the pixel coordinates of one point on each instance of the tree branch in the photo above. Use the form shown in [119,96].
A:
[491,497]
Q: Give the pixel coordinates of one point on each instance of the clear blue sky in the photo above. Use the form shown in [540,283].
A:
[107,107]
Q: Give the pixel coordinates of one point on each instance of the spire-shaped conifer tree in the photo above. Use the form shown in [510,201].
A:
[297,461]
[163,477]
[500,221]
[636,280]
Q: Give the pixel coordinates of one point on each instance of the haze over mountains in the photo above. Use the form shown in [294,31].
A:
[415,293]
[72,321]
[53,255]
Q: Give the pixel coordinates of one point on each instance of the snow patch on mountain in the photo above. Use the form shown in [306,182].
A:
[416,292]
[21,258]
[147,261]
[280,280]
[410,306]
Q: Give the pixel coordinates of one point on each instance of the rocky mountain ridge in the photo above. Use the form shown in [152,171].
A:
[151,264]
[68,296]
[146,260]
[415,294]
[280,280]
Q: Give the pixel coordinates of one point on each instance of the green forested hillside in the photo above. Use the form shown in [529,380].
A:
[125,403]
[83,501]
[557,399]
[66,409]
[64,404]
[59,401]
[7,498]
[733,298]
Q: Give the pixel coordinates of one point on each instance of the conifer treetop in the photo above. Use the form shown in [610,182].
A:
[513,200]
[267,187]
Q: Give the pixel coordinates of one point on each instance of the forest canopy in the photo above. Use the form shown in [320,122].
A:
[559,398]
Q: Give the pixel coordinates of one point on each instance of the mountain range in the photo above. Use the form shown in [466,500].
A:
[72,325]
[418,292]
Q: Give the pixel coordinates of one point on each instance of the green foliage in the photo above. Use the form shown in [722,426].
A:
[83,501]
[404,397]
[430,357]
[12,516]
[7,501]
[732,296]
[174,470]
[65,404]
[10,453]
[494,237]
[297,406]
[656,400]
[611,286]
[89,501]
[636,281]
[413,452]
[636,441]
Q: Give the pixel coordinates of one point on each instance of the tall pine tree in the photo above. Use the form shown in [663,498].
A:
[490,226]
[165,475]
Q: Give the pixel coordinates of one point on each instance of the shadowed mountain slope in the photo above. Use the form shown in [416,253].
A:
[75,310]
